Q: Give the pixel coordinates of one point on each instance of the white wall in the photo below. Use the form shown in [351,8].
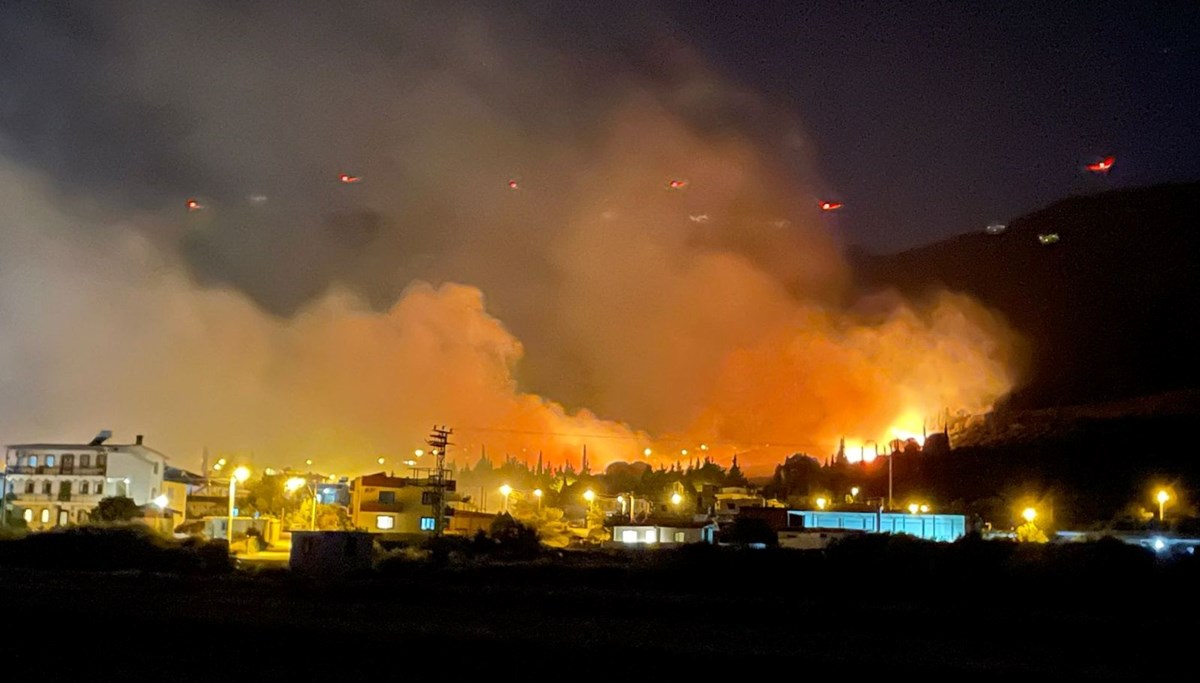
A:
[142,467]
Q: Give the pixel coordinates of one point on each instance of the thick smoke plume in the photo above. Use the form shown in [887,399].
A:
[297,317]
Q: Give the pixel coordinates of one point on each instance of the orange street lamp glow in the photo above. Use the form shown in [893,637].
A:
[676,499]
[1029,514]
[1162,499]
[821,503]
[589,495]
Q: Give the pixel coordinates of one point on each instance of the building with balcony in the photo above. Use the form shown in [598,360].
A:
[61,484]
[398,507]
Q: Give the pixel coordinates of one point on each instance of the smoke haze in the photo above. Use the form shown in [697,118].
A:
[296,316]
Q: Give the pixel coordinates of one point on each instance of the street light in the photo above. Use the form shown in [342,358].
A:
[537,493]
[647,452]
[854,492]
[294,484]
[162,501]
[1029,514]
[676,499]
[1162,499]
[924,508]
[380,461]
[704,447]
[683,452]
[913,508]
[308,462]
[239,474]
[589,495]
[505,491]
[821,503]
[418,452]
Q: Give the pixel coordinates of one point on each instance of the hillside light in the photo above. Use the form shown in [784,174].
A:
[217,467]
[704,447]
[291,485]
[647,452]
[1162,499]
[308,462]
[505,491]
[676,499]
[924,508]
[913,508]
[418,452]
[589,495]
[221,462]
[410,463]
[854,491]
[1029,514]
[381,461]
[821,503]
[683,452]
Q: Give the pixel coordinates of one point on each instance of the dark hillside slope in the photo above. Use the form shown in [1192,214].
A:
[1107,310]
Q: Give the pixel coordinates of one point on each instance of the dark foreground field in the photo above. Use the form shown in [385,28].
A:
[617,620]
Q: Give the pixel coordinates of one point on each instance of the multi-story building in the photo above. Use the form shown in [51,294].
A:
[60,484]
[397,506]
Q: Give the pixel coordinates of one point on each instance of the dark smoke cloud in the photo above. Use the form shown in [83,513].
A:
[621,301]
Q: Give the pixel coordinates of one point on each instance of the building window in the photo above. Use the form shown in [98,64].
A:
[385,521]
[387,496]
[49,461]
[29,486]
[427,524]
[99,488]
[156,468]
[679,537]
[47,488]
[85,460]
[651,536]
[101,460]
[83,488]
[64,518]
[83,516]
[629,536]
[45,516]
[427,498]
[33,461]
[28,515]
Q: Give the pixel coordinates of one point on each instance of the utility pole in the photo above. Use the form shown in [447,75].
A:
[891,457]
[439,441]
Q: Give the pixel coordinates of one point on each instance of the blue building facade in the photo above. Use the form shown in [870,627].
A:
[931,527]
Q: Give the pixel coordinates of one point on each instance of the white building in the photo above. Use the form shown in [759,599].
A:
[60,484]
[666,533]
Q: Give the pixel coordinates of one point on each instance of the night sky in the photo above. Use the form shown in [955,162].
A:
[935,118]
[572,218]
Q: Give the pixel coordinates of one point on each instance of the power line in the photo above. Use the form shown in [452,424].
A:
[631,437]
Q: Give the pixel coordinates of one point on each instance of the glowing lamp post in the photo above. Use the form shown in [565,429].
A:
[505,491]
[647,452]
[294,484]
[537,493]
[588,496]
[676,499]
[239,475]
[1029,514]
[913,508]
[821,503]
[1162,497]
